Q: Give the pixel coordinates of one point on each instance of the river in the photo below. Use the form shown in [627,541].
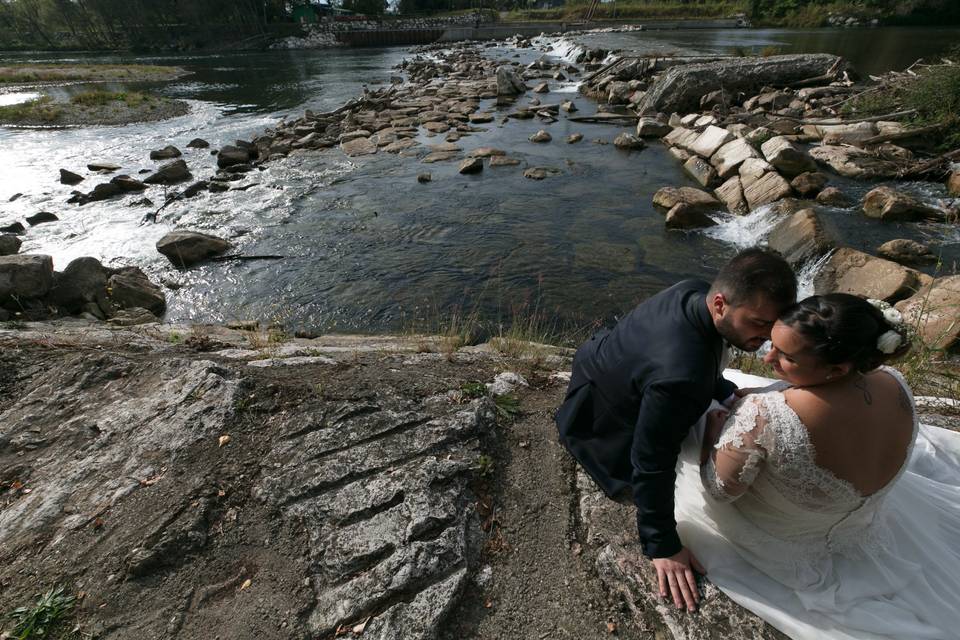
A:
[369,249]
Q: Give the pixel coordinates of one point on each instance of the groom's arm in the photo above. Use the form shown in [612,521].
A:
[723,390]
[667,411]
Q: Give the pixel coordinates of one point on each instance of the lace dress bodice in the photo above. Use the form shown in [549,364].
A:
[766,462]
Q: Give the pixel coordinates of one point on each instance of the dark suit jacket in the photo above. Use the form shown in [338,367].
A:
[634,393]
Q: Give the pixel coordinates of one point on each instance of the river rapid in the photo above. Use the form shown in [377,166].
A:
[369,249]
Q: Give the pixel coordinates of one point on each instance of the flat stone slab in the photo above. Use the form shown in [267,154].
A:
[852,162]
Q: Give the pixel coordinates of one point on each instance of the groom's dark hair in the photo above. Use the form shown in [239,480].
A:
[756,272]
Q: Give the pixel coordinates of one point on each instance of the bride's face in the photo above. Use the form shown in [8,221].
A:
[792,358]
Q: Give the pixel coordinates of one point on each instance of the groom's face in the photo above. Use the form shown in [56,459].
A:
[746,326]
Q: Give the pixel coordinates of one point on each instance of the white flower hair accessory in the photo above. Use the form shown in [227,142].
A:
[891,340]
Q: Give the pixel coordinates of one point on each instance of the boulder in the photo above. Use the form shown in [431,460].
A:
[852,271]
[541,136]
[69,177]
[9,244]
[424,178]
[681,87]
[13,228]
[481,118]
[935,310]
[682,138]
[852,162]
[169,152]
[25,276]
[186,248]
[535,173]
[41,217]
[853,134]
[130,287]
[800,237]
[652,128]
[885,203]
[762,184]
[132,316]
[729,157]
[84,281]
[668,197]
[230,155]
[471,165]
[102,191]
[574,138]
[701,171]
[509,82]
[833,197]
[686,216]
[568,106]
[543,87]
[710,140]
[906,252]
[126,183]
[953,184]
[198,143]
[786,157]
[104,167]
[432,127]
[503,161]
[628,142]
[362,146]
[731,192]
[170,173]
[486,152]
[809,184]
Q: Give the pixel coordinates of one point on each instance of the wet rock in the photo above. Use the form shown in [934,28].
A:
[424,178]
[852,271]
[731,192]
[167,153]
[186,248]
[40,218]
[198,143]
[433,127]
[481,118]
[84,281]
[852,162]
[509,82]
[729,157]
[833,197]
[195,188]
[543,87]
[360,147]
[170,173]
[486,152]
[102,191]
[539,173]
[667,198]
[104,167]
[934,309]
[906,252]
[69,177]
[574,138]
[568,106]
[230,155]
[800,237]
[471,165]
[128,184]
[761,183]
[710,140]
[9,244]
[786,157]
[681,87]
[687,216]
[503,161]
[401,145]
[953,184]
[130,287]
[13,228]
[628,142]
[701,171]
[885,203]
[25,276]
[652,128]
[809,184]
[440,156]
[541,136]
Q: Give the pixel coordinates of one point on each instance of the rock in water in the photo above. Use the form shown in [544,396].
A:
[906,252]
[890,205]
[681,87]
[230,155]
[509,82]
[82,282]
[686,216]
[69,177]
[167,153]
[9,244]
[574,138]
[809,184]
[852,271]
[801,237]
[541,136]
[471,165]
[25,276]
[170,173]
[40,218]
[424,178]
[130,287]
[198,143]
[786,157]
[186,248]
[628,142]
[833,197]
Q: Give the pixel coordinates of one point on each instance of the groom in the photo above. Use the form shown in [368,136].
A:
[636,390]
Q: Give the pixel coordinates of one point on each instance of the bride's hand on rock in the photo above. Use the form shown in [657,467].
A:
[675,578]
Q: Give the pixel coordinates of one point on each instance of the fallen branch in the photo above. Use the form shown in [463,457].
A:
[829,76]
[887,116]
[931,165]
[904,135]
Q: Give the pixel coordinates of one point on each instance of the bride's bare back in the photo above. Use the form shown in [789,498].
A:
[860,431]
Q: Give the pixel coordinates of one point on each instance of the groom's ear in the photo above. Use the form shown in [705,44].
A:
[718,305]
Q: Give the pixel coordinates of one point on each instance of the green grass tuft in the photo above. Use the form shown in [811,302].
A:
[46,616]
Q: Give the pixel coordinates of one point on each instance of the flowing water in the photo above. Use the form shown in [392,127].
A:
[366,247]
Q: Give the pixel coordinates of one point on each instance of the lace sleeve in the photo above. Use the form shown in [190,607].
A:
[740,452]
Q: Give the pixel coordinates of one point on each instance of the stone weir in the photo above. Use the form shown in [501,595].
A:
[183,479]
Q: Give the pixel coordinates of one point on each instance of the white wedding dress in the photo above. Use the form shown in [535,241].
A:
[808,553]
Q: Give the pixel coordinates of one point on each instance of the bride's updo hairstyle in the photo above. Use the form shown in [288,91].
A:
[845,328]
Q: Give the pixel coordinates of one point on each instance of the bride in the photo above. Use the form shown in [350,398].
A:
[820,503]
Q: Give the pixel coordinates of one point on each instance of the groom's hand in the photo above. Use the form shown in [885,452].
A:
[675,577]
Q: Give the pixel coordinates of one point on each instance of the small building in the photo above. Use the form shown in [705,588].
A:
[550,4]
[311,12]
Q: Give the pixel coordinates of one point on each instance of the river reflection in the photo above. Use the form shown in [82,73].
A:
[367,247]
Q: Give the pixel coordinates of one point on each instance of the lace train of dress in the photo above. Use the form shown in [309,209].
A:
[827,562]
